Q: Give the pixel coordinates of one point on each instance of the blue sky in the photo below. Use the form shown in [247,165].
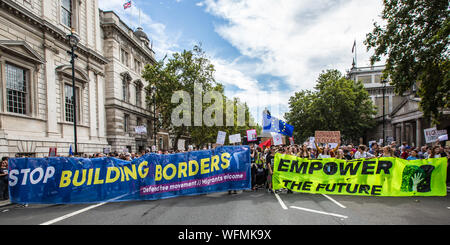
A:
[263,50]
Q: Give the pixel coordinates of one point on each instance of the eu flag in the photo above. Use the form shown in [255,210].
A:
[273,124]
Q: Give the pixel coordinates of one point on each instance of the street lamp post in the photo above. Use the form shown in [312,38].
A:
[73,41]
[153,87]
[384,93]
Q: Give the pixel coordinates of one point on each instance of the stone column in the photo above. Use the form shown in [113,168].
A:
[92,104]
[402,133]
[50,78]
[419,132]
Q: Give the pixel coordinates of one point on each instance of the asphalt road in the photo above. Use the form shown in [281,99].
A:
[244,208]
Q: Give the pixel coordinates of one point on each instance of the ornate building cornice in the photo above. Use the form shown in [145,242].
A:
[48,28]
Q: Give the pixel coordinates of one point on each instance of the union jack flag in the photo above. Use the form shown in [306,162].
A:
[127,5]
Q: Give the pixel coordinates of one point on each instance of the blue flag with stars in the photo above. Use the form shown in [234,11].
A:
[273,124]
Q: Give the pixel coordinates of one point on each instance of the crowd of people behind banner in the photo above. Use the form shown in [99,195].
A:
[263,158]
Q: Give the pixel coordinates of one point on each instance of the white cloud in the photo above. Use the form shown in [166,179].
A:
[291,39]
[247,89]
[162,42]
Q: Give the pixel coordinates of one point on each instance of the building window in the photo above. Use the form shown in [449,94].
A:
[125,90]
[137,66]
[126,122]
[138,96]
[16,89]
[66,12]
[124,57]
[69,102]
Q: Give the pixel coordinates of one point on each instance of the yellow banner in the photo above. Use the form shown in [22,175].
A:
[384,176]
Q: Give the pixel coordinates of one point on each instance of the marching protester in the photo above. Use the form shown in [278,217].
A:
[413,155]
[4,195]
[387,152]
[362,153]
[270,166]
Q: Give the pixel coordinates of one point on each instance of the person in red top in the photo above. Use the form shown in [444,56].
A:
[405,152]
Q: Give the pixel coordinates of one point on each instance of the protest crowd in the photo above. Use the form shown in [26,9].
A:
[263,157]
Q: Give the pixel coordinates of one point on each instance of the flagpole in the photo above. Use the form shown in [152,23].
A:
[356,56]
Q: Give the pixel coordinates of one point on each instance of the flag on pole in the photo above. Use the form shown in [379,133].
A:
[273,124]
[127,5]
[266,143]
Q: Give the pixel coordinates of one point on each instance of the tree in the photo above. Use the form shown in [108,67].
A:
[415,40]
[189,76]
[337,104]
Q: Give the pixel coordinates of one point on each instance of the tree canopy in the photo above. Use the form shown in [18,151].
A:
[336,104]
[187,78]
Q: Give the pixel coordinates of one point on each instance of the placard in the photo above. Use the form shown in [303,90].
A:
[235,138]
[252,135]
[327,136]
[180,145]
[277,139]
[221,138]
[431,135]
[291,140]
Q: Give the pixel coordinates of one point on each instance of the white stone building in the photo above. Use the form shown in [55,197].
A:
[36,102]
[35,77]
[125,96]
[404,122]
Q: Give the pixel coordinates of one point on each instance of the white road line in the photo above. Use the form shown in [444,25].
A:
[72,214]
[79,211]
[336,202]
[280,201]
[320,212]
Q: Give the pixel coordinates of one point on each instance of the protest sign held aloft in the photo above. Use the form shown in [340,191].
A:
[327,136]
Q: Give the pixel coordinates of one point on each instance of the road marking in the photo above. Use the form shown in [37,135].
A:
[336,202]
[72,214]
[280,201]
[79,211]
[320,212]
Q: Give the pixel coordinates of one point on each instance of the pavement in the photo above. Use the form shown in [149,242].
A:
[5,203]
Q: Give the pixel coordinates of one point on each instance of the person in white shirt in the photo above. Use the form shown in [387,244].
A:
[361,153]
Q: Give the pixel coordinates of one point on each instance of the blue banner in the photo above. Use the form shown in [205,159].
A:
[67,180]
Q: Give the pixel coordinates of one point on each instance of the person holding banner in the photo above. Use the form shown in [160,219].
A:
[270,160]
[387,152]
[304,152]
[325,152]
[435,152]
[4,195]
[362,153]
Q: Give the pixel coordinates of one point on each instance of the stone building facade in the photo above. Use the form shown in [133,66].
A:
[36,102]
[403,119]
[125,97]
[35,77]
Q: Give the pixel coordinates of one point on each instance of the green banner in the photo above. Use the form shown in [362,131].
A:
[384,176]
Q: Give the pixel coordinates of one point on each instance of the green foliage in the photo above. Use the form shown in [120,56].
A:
[337,104]
[180,73]
[415,40]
